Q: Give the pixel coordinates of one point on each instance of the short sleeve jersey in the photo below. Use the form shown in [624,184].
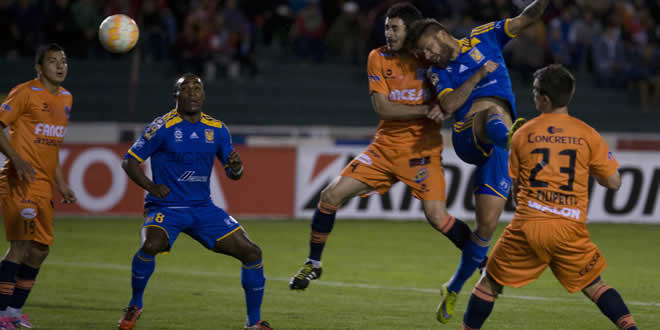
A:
[37,121]
[552,157]
[402,80]
[484,43]
[182,156]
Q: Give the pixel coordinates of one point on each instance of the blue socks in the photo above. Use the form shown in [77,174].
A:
[8,272]
[24,281]
[253,281]
[473,254]
[497,131]
[143,267]
[322,223]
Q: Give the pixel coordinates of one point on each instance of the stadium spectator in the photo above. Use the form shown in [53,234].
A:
[344,37]
[10,32]
[190,49]
[26,23]
[309,33]
[581,38]
[87,18]
[559,47]
[59,26]
[609,58]
[154,37]
[241,30]
[527,52]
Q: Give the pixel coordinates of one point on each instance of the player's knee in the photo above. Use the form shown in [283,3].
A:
[154,246]
[595,289]
[36,254]
[330,196]
[486,228]
[252,253]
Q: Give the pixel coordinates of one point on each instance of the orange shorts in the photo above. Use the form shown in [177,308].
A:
[380,168]
[27,218]
[527,247]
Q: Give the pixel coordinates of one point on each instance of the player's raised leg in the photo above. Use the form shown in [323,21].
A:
[341,189]
[155,240]
[238,245]
[611,304]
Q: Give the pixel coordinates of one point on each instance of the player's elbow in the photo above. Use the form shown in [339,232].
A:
[614,181]
[128,163]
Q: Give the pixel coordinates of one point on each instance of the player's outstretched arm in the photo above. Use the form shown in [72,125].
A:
[530,15]
[133,170]
[23,169]
[611,182]
[388,110]
[454,100]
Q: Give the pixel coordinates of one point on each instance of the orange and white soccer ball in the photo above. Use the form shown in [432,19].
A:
[118,33]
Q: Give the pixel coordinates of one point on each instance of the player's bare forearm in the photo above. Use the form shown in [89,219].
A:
[530,15]
[134,171]
[5,146]
[235,164]
[611,182]
[59,177]
[388,110]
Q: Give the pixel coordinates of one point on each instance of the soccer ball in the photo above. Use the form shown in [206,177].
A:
[118,33]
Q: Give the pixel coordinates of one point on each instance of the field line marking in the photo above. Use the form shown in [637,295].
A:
[324,283]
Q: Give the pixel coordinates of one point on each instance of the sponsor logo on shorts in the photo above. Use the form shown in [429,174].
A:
[230,221]
[564,212]
[591,264]
[29,213]
[5,107]
[363,158]
[420,161]
[421,175]
[149,219]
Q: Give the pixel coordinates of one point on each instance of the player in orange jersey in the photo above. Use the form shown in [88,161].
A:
[551,159]
[407,146]
[37,114]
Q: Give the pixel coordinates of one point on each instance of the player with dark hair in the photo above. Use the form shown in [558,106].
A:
[407,146]
[472,83]
[183,145]
[37,114]
[552,157]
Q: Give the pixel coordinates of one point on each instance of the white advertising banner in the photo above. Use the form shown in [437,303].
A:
[636,201]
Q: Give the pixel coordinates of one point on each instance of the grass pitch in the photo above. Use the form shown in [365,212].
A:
[376,275]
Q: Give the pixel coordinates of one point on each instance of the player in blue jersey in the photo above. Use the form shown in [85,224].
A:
[472,83]
[183,145]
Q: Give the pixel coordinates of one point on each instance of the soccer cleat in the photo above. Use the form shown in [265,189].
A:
[131,314]
[301,280]
[448,305]
[514,127]
[5,324]
[21,322]
[261,325]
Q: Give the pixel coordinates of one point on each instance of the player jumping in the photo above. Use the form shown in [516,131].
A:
[472,82]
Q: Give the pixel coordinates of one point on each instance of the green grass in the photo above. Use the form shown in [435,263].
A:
[377,275]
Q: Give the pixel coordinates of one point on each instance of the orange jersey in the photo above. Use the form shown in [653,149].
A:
[37,121]
[552,157]
[402,80]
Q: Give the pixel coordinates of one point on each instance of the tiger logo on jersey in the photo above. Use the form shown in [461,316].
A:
[208,133]
[476,55]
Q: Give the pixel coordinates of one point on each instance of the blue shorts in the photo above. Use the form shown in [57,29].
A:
[492,175]
[206,224]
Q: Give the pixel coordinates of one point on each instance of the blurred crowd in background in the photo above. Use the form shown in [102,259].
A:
[616,41]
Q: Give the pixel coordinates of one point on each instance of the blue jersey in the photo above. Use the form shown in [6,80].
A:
[182,155]
[485,43]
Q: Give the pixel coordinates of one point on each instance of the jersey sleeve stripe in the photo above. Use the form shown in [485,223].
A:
[445,91]
[506,28]
[476,33]
[130,152]
[483,27]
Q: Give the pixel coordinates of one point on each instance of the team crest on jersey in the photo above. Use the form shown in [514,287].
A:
[208,134]
[178,135]
[421,175]
[476,55]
